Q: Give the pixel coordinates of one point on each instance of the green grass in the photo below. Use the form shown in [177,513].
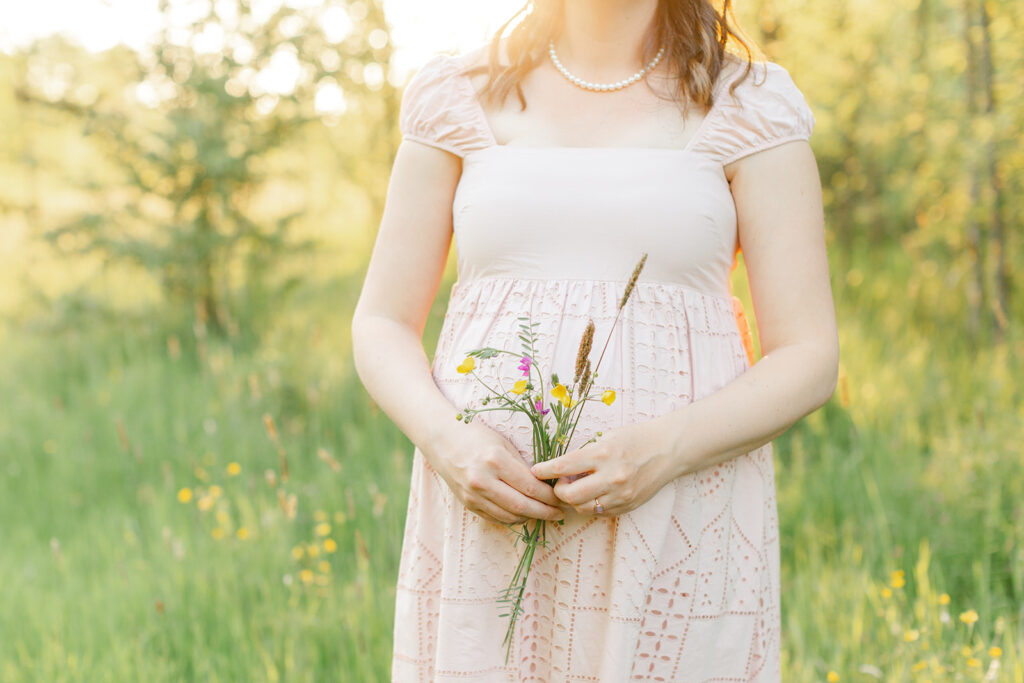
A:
[105,575]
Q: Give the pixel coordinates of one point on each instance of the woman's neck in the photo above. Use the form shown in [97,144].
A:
[603,39]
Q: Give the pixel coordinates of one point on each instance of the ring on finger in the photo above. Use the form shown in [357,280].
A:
[598,508]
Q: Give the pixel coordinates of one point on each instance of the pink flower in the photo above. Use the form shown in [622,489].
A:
[540,407]
[524,365]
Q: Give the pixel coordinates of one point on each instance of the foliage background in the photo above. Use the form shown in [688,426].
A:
[194,485]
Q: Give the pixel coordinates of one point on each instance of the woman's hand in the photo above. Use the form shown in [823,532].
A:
[623,469]
[488,476]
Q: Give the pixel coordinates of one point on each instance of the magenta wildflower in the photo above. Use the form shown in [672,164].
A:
[540,407]
[524,365]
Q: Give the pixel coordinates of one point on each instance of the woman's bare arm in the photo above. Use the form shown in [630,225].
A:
[781,225]
[402,280]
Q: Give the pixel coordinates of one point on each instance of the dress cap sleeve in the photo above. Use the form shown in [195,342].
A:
[766,109]
[439,108]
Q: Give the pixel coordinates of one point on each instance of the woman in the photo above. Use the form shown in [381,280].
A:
[666,567]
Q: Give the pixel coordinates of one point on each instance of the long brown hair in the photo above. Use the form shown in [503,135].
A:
[696,34]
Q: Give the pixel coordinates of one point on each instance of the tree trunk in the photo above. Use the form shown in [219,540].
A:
[1001,296]
[977,300]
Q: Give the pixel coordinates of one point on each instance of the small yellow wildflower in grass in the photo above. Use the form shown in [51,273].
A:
[911,635]
[233,468]
[966,650]
[306,575]
[896,579]
[324,566]
[205,502]
[184,494]
[973,662]
[920,666]
[320,516]
[216,491]
[519,387]
[466,365]
[313,550]
[339,517]
[322,529]
[832,677]
[298,552]
[995,652]
[608,397]
[886,592]
[561,393]
[329,545]
[944,599]
[969,617]
[242,533]
[217,533]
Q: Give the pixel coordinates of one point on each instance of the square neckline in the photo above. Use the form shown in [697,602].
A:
[471,93]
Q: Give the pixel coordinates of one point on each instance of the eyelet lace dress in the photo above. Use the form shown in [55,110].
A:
[686,586]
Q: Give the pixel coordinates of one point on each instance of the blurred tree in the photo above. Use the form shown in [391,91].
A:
[206,108]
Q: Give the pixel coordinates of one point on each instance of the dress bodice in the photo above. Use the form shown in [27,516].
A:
[588,212]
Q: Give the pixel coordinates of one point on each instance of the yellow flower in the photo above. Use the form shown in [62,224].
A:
[320,516]
[216,491]
[242,533]
[911,635]
[995,652]
[324,566]
[217,532]
[896,579]
[306,575]
[561,393]
[330,545]
[204,503]
[973,661]
[233,468]
[920,666]
[466,365]
[608,397]
[297,552]
[966,650]
[185,494]
[322,529]
[832,677]
[969,617]
[886,592]
[519,387]
[313,549]
[944,599]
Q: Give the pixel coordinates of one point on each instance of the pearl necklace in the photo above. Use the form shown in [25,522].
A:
[603,87]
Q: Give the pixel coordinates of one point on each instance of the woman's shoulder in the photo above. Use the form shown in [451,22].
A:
[755,109]
[439,106]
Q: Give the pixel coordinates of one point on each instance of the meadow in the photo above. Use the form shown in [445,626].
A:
[178,507]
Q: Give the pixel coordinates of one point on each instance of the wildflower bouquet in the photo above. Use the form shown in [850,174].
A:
[526,396]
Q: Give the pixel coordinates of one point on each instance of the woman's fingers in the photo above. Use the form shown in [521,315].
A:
[573,462]
[517,503]
[516,474]
[494,513]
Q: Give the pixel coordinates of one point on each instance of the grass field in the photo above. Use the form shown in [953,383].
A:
[149,532]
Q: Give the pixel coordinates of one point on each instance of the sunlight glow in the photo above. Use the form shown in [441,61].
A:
[419,29]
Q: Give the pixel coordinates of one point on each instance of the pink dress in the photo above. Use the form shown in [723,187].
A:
[685,587]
